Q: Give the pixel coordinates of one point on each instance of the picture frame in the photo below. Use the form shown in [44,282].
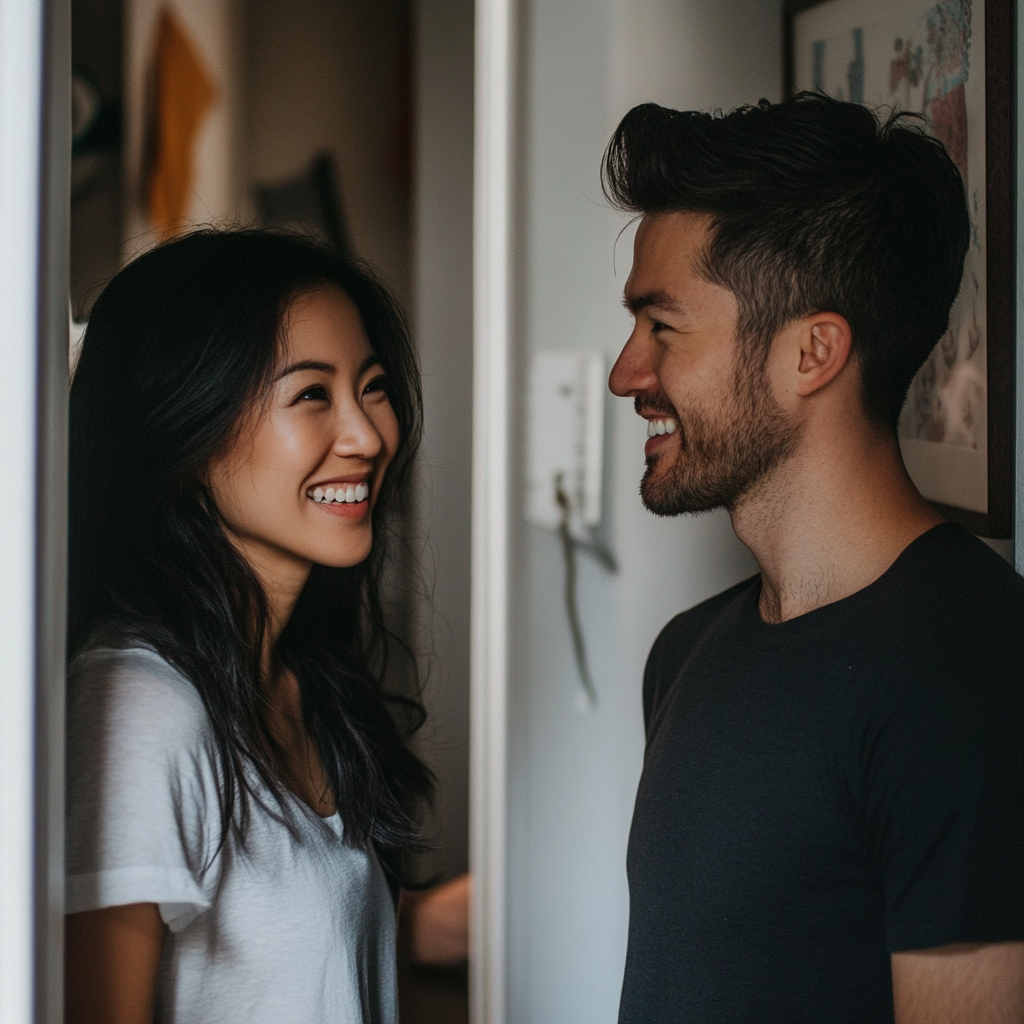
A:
[969,483]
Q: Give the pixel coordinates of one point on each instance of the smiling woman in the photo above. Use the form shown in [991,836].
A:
[326,425]
[240,796]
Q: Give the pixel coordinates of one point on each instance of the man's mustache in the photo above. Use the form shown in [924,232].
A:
[654,404]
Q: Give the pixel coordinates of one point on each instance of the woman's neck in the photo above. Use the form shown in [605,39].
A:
[282,579]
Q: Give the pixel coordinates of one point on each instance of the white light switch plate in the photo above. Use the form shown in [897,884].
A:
[565,428]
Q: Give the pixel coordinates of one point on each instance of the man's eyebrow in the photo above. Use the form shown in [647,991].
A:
[659,299]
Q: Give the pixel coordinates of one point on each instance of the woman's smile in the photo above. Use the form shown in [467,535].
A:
[342,493]
[347,499]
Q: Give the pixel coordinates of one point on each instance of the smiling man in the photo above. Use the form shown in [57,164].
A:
[830,822]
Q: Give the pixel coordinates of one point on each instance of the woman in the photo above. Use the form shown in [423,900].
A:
[241,801]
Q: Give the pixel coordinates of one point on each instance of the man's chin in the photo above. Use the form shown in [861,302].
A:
[673,498]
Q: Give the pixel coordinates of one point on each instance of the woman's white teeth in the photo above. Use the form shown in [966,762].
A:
[657,427]
[348,494]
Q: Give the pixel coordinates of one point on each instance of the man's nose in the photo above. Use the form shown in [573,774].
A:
[633,372]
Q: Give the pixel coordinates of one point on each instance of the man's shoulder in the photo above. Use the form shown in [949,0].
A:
[681,635]
[949,579]
[949,612]
[954,553]
[686,627]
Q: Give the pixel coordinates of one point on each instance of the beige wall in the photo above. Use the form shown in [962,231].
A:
[328,74]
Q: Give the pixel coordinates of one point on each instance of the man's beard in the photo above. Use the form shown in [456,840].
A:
[719,460]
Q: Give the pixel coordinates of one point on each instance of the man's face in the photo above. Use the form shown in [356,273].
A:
[717,427]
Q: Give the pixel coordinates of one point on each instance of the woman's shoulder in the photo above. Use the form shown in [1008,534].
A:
[135,688]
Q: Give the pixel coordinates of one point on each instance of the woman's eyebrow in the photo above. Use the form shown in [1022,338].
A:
[306,364]
[371,360]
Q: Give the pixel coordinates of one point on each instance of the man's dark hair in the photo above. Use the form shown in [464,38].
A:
[817,205]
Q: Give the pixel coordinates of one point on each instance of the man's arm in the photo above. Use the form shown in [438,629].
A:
[968,983]
[110,966]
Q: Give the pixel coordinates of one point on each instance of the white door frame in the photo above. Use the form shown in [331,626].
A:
[495,21]
[35,152]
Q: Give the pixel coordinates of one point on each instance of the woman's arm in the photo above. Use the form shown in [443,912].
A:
[434,925]
[111,957]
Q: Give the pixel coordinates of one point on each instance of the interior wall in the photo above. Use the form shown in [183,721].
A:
[573,773]
[443,326]
[334,75]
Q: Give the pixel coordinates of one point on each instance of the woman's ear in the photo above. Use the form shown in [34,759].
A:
[825,341]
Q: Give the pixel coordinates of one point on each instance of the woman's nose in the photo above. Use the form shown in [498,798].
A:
[357,435]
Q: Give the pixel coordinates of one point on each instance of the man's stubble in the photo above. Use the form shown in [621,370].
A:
[721,458]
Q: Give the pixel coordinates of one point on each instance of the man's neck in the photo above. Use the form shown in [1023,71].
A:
[830,521]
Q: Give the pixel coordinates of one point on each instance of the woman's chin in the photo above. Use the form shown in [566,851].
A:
[345,558]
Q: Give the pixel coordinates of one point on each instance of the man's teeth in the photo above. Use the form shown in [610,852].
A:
[657,427]
[346,493]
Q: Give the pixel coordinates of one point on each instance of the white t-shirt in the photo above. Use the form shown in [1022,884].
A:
[297,927]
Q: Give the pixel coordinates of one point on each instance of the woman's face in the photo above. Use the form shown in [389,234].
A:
[297,483]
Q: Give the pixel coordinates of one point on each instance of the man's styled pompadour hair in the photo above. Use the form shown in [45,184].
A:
[817,205]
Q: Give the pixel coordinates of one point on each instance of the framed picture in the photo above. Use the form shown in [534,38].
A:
[951,60]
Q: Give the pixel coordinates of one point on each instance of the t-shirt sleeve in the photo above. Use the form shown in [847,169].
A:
[945,804]
[142,805]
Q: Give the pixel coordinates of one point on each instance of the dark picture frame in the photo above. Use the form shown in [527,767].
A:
[1000,256]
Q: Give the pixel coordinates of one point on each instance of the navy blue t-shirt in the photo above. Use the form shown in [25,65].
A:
[821,793]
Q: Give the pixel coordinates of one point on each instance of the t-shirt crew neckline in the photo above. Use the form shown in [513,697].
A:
[332,821]
[774,632]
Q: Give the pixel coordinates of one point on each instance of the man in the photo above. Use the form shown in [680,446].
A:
[830,822]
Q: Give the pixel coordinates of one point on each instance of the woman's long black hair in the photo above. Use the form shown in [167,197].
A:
[179,345]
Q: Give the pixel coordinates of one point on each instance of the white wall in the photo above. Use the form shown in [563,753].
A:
[573,775]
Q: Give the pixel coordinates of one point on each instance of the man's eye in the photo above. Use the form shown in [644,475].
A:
[317,393]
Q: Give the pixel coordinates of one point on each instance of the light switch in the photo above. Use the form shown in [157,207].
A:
[565,428]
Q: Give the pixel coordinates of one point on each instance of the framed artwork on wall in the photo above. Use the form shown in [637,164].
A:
[953,61]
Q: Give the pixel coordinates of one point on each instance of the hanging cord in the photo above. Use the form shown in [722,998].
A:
[569,556]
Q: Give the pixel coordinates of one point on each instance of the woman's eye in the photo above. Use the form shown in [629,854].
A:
[377,384]
[317,393]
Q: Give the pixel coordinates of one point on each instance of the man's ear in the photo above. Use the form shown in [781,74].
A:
[825,342]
